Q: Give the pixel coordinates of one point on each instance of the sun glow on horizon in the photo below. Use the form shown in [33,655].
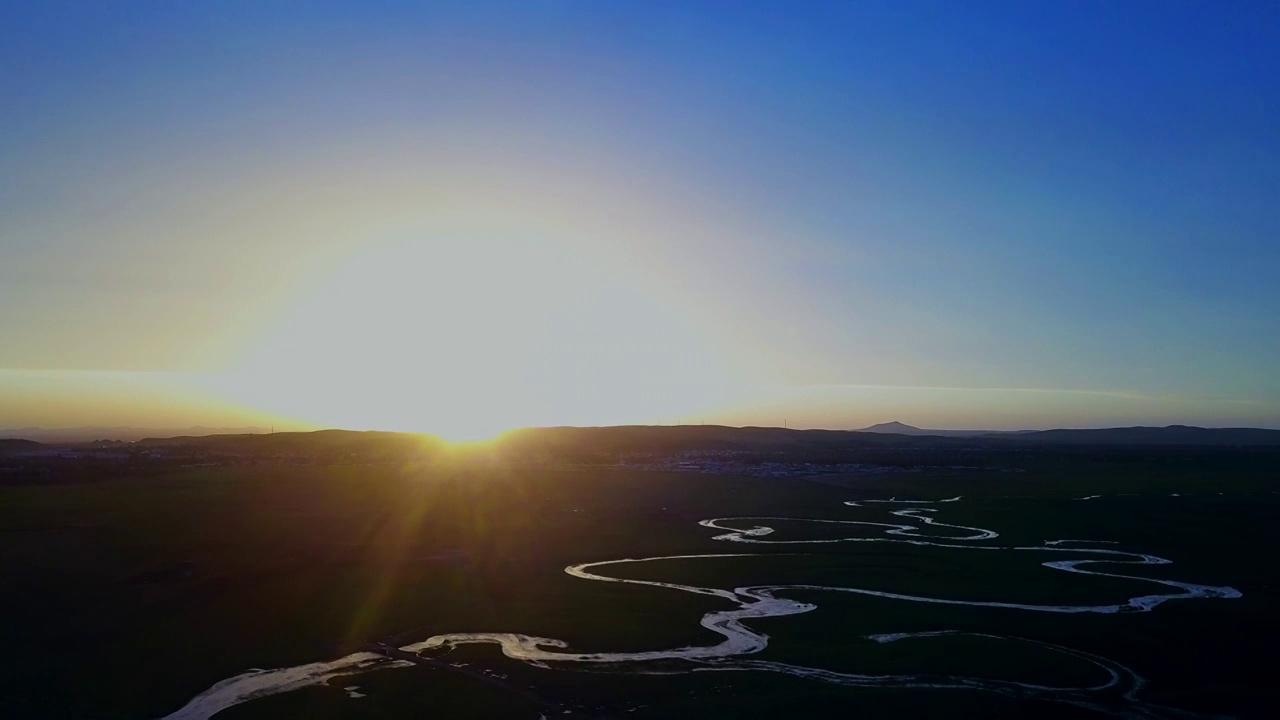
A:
[465,339]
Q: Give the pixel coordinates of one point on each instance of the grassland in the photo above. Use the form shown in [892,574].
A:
[127,597]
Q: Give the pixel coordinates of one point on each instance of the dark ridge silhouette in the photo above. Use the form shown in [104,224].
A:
[8,447]
[320,442]
[667,438]
[586,441]
[1168,435]
[649,438]
[117,432]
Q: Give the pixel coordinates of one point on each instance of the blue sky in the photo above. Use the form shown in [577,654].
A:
[842,213]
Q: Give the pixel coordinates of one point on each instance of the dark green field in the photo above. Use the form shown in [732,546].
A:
[125,598]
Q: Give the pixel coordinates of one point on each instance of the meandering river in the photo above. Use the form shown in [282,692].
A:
[739,643]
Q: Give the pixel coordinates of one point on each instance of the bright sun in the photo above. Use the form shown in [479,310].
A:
[466,339]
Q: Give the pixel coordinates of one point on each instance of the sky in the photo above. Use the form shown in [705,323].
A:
[463,217]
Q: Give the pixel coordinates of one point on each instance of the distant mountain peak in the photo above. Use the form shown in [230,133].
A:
[891,427]
[897,427]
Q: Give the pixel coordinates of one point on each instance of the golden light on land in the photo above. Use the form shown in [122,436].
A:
[467,337]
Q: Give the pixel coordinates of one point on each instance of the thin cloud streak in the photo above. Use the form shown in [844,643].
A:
[1121,394]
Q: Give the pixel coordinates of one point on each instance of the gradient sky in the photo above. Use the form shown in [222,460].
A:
[461,217]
